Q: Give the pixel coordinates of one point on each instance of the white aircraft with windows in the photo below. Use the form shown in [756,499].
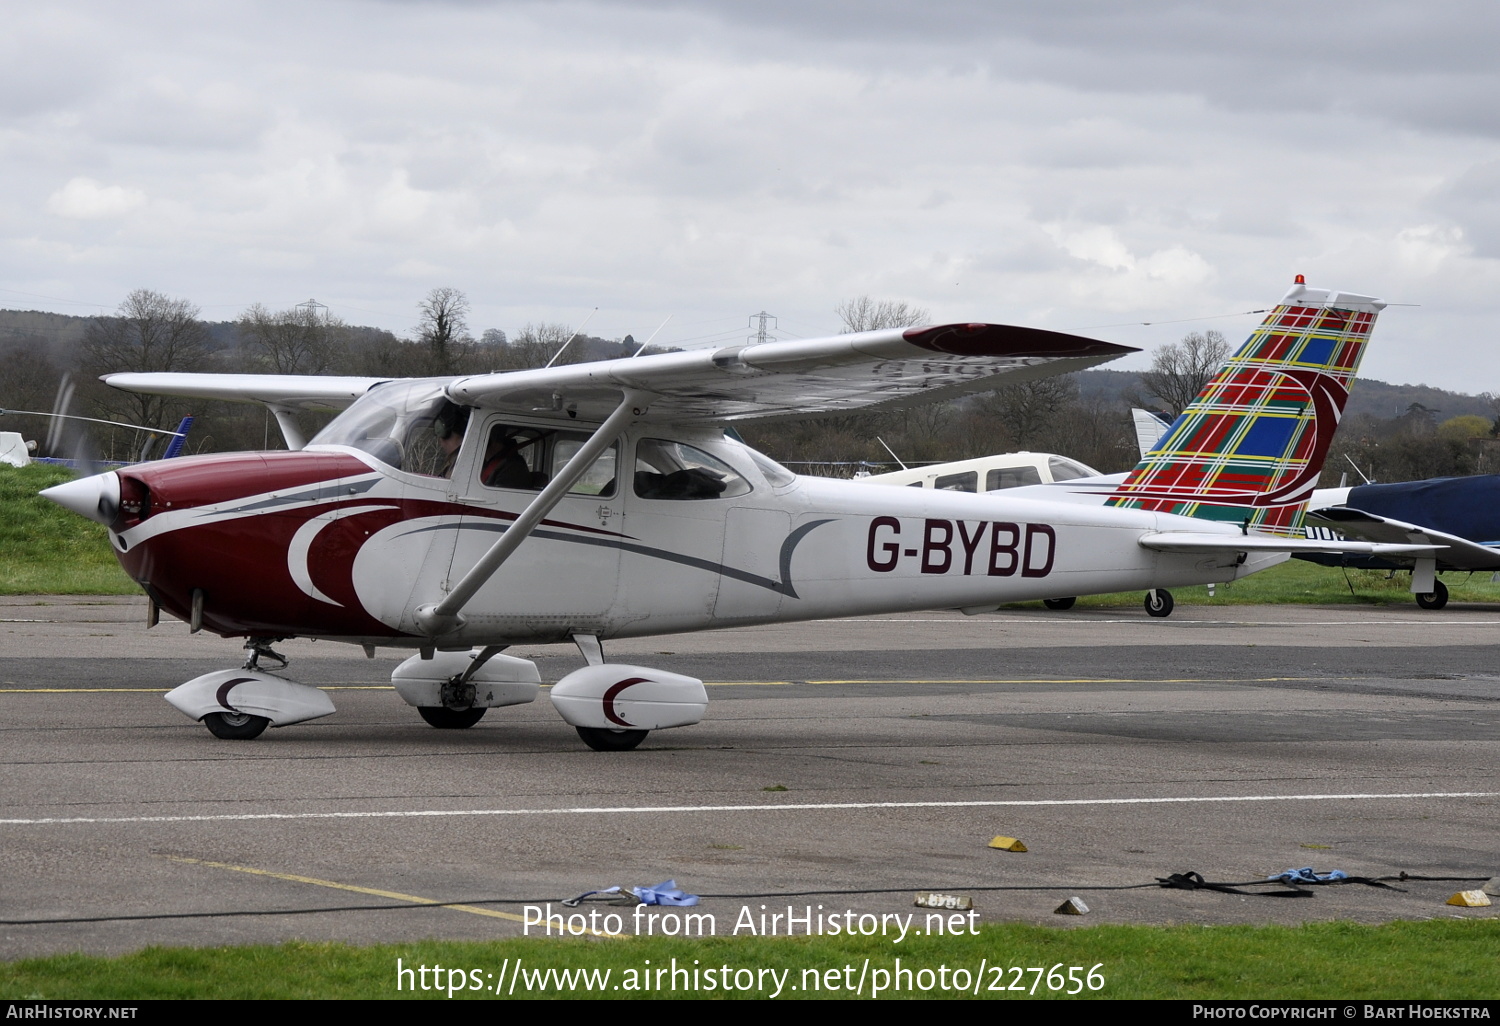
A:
[456,517]
[987,473]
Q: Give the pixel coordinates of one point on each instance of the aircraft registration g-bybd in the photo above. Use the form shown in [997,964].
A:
[604,500]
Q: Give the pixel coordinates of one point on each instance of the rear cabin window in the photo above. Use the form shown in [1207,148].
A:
[1011,477]
[673,470]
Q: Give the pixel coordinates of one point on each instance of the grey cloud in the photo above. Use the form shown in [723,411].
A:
[1472,201]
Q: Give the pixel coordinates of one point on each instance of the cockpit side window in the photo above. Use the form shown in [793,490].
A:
[674,470]
[411,426]
[1064,469]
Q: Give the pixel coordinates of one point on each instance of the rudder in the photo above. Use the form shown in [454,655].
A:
[1250,448]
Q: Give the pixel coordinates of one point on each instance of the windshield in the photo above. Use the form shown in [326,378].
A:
[410,425]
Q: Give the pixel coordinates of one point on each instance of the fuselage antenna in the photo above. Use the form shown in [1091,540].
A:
[892,452]
[646,343]
[571,337]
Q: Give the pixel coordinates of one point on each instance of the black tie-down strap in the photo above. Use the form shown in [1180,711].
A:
[1281,887]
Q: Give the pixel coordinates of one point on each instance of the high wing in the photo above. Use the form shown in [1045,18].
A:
[283,394]
[1460,553]
[890,369]
[294,391]
[875,369]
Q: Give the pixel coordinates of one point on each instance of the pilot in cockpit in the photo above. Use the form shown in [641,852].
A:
[448,426]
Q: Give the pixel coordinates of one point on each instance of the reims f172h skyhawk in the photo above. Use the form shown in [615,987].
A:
[455,517]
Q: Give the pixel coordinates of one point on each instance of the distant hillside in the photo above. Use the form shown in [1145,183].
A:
[1378,399]
[61,334]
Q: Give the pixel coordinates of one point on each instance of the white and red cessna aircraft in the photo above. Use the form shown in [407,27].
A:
[456,517]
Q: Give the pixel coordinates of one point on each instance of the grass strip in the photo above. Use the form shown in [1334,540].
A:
[48,550]
[1435,959]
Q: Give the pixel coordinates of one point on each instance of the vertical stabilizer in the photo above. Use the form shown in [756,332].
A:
[180,440]
[1250,448]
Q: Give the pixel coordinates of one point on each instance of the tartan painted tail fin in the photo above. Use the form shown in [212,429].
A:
[1250,448]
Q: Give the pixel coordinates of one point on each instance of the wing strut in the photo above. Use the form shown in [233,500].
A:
[444,617]
[286,419]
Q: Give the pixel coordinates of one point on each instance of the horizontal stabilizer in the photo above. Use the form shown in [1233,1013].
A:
[1459,553]
[1187,541]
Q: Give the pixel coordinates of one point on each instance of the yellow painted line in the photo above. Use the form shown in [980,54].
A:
[81,691]
[376,892]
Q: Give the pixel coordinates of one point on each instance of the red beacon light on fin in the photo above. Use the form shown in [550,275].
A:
[1300,280]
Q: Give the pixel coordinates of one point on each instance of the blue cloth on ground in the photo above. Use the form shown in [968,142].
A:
[665,893]
[1305,875]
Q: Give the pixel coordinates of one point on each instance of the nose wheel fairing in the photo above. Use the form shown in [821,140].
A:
[232,694]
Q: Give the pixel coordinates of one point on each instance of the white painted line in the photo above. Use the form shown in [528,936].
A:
[1064,620]
[658,809]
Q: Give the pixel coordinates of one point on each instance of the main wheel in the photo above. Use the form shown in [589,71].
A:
[235,726]
[1437,598]
[1159,602]
[1064,603]
[603,740]
[443,718]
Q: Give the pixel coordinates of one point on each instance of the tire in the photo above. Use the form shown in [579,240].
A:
[1059,604]
[443,718]
[1159,602]
[1437,598]
[235,726]
[603,740]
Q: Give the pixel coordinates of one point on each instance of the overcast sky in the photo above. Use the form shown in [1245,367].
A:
[1076,166]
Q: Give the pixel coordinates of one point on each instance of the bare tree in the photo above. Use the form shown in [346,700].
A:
[295,341]
[866,314]
[1027,409]
[536,344]
[444,328]
[151,332]
[1180,370]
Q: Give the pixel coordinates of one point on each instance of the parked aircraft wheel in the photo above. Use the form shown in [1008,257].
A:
[1159,602]
[1065,603]
[1437,598]
[602,740]
[235,726]
[443,718]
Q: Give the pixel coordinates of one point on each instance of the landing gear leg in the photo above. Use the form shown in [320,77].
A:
[259,648]
[458,710]
[1437,598]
